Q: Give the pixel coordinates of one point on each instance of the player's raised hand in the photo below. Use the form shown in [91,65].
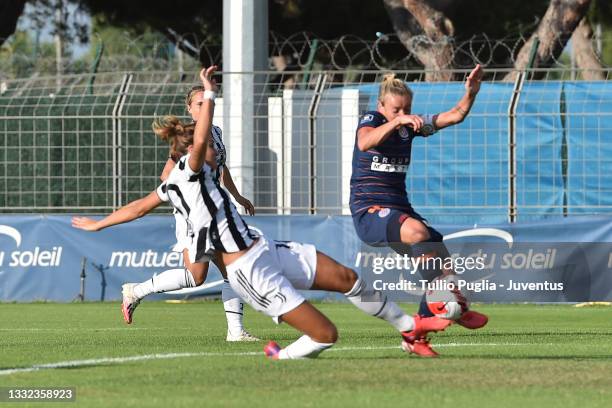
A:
[207,80]
[85,223]
[413,121]
[472,84]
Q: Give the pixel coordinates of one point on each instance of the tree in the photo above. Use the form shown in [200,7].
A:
[586,57]
[10,11]
[185,23]
[129,48]
[431,30]
[425,32]
[21,57]
[555,29]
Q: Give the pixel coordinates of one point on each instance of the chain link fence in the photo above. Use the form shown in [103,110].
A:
[528,150]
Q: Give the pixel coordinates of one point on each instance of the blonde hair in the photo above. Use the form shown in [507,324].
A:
[392,85]
[180,135]
[192,93]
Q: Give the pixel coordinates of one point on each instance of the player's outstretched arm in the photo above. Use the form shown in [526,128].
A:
[461,110]
[228,182]
[127,213]
[204,123]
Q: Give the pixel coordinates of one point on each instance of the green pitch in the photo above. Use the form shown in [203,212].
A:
[541,356]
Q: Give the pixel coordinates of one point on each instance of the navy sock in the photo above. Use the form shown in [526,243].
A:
[423,309]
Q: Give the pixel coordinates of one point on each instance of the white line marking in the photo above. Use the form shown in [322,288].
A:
[117,360]
[40,329]
[121,360]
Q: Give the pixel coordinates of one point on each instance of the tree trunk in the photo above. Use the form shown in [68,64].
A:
[10,11]
[586,58]
[424,32]
[555,29]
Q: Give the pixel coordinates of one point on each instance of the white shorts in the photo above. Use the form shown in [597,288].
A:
[184,240]
[269,275]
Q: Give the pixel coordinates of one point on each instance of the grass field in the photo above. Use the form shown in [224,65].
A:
[541,356]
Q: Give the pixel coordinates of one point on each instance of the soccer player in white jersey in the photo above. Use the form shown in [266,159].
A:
[265,273]
[193,274]
[169,128]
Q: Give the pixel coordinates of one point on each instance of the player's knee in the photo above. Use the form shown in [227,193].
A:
[327,334]
[198,279]
[199,274]
[220,265]
[414,235]
[348,277]
[333,335]
[434,235]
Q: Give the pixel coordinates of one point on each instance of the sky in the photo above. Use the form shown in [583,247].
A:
[26,24]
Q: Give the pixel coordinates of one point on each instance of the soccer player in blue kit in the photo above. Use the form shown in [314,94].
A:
[382,213]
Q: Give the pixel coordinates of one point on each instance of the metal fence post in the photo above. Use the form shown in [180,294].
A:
[312,139]
[516,93]
[117,140]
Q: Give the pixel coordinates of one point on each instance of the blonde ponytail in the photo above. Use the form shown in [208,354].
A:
[170,129]
[167,127]
[392,85]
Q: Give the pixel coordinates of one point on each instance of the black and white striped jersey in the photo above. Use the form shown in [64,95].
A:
[217,137]
[221,157]
[213,221]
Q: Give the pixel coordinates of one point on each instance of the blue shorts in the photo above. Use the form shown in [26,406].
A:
[379,226]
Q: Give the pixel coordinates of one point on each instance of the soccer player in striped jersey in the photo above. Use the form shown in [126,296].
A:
[174,279]
[265,273]
[382,213]
[170,129]
[232,303]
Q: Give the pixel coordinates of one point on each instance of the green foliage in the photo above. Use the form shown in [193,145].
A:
[21,55]
[201,18]
[143,29]
[71,22]
[120,41]
[600,11]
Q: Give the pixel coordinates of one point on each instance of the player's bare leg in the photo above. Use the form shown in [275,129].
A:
[414,232]
[333,276]
[199,270]
[319,334]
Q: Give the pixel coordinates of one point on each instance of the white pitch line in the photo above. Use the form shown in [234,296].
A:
[117,360]
[121,360]
[41,329]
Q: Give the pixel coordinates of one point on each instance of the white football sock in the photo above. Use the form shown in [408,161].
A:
[166,281]
[304,347]
[233,308]
[377,305]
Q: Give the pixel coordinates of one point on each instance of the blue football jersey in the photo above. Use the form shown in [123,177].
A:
[379,174]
